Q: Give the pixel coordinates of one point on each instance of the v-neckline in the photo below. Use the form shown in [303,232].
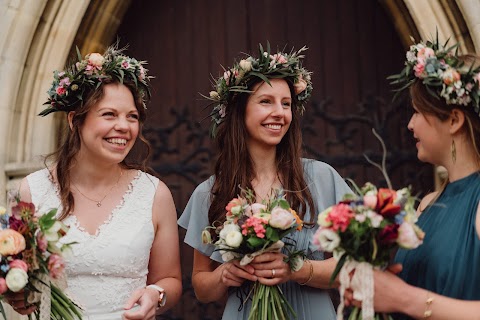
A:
[102,226]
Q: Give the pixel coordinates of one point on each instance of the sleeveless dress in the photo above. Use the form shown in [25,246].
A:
[327,188]
[448,261]
[107,267]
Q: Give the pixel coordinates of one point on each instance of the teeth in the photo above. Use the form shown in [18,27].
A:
[117,141]
[273,126]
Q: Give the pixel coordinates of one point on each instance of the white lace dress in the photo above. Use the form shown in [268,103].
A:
[107,267]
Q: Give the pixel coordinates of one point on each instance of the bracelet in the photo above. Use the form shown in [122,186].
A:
[310,276]
[428,306]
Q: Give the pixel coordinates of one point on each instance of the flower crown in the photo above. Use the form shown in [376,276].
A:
[443,72]
[70,86]
[267,66]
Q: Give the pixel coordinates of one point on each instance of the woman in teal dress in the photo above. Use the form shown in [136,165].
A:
[257,105]
[441,278]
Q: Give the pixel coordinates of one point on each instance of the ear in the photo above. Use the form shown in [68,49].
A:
[456,120]
[70,116]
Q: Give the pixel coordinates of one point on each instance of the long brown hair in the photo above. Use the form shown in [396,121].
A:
[234,166]
[64,157]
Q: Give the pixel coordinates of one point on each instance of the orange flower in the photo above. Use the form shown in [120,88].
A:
[11,242]
[299,221]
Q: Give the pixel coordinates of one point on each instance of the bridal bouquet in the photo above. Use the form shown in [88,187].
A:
[254,228]
[31,260]
[363,231]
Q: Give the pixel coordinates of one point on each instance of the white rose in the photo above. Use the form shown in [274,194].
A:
[227,228]
[328,239]
[16,279]
[96,59]
[246,65]
[322,218]
[214,95]
[234,239]
[281,218]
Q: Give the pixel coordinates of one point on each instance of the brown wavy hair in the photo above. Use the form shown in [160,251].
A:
[234,166]
[64,157]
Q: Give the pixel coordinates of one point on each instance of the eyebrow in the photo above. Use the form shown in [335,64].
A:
[270,96]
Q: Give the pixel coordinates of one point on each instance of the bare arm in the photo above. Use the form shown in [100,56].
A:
[164,266]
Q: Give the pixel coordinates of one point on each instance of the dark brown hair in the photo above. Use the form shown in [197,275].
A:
[234,165]
[64,156]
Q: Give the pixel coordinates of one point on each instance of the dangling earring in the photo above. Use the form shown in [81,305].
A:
[454,152]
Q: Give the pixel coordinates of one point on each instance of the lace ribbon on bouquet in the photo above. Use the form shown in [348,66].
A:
[44,296]
[274,247]
[361,284]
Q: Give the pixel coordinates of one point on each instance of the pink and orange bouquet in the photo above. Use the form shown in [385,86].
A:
[251,229]
[363,231]
[31,260]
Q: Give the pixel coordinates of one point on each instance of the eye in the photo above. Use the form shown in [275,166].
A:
[108,114]
[134,116]
[287,104]
[265,101]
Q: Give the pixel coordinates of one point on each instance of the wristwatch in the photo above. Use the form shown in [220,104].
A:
[162,299]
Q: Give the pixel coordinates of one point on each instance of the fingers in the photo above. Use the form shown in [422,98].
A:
[395,268]
[133,299]
[233,275]
[145,309]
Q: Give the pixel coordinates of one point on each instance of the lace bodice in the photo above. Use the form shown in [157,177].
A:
[107,267]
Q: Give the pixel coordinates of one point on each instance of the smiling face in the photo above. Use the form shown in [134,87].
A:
[111,126]
[268,113]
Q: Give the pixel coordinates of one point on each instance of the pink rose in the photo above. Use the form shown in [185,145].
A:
[300,85]
[425,53]
[281,218]
[125,64]
[61,91]
[419,69]
[42,242]
[56,265]
[255,208]
[226,76]
[11,242]
[20,264]
[407,237]
[340,216]
[3,286]
[370,201]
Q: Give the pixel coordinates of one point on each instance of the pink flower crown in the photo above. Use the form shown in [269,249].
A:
[69,87]
[443,72]
[267,66]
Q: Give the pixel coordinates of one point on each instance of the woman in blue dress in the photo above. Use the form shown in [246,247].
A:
[257,104]
[441,278]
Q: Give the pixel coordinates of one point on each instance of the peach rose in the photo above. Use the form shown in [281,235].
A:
[11,242]
[300,85]
[56,265]
[96,60]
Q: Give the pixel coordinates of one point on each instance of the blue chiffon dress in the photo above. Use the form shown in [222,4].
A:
[448,261]
[327,188]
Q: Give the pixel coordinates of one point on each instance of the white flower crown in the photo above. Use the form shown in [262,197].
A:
[267,66]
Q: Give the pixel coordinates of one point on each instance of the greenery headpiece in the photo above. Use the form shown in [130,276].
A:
[267,66]
[69,87]
[444,74]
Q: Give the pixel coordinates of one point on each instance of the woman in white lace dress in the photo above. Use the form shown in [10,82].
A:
[125,258]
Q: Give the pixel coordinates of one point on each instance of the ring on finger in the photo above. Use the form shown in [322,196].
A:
[273,273]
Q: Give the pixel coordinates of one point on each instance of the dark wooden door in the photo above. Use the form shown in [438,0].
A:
[352,48]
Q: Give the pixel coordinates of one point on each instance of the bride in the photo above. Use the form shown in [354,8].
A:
[120,216]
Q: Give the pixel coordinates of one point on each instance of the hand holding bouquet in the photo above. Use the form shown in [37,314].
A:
[252,229]
[363,231]
[31,260]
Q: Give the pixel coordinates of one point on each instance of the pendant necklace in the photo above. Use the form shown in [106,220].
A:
[99,202]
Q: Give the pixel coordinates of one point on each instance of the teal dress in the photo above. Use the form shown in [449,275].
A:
[448,261]
[327,188]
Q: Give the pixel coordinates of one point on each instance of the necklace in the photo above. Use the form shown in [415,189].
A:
[99,202]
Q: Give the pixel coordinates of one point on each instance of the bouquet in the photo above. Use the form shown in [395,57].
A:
[363,231]
[254,228]
[31,259]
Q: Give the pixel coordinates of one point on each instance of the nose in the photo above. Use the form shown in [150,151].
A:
[410,124]
[278,109]
[121,124]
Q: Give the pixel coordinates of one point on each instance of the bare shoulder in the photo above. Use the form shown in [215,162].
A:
[24,190]
[426,201]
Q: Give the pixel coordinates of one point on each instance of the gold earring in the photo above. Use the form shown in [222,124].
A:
[453,150]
